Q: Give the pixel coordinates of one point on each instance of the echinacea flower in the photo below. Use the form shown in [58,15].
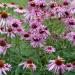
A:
[70,23]
[15,23]
[67,14]
[19,30]
[19,10]
[72,6]
[59,11]
[4,5]
[42,5]
[71,37]
[35,26]
[4,20]
[28,64]
[52,4]
[10,32]
[56,66]
[66,3]
[3,46]
[26,35]
[4,67]
[32,4]
[36,40]
[43,31]
[12,5]
[69,67]
[49,49]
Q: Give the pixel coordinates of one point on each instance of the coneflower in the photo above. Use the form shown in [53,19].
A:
[56,66]
[49,49]
[4,18]
[3,46]
[4,67]
[28,64]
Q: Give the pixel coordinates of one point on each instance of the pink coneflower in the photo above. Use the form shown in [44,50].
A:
[28,64]
[20,10]
[19,30]
[72,10]
[69,67]
[32,4]
[44,32]
[4,18]
[34,26]
[4,67]
[71,37]
[49,49]
[66,3]
[15,23]
[66,14]
[26,35]
[52,9]
[59,11]
[42,5]
[36,40]
[70,23]
[56,66]
[3,46]
[51,14]
[52,4]
[4,5]
[10,32]
[72,6]
[12,5]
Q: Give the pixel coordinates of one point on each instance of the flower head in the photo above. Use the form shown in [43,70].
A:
[28,64]
[12,5]
[56,66]
[4,67]
[20,10]
[69,66]
[71,37]
[49,49]
[3,46]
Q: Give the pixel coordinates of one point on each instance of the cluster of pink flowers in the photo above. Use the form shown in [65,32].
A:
[34,15]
